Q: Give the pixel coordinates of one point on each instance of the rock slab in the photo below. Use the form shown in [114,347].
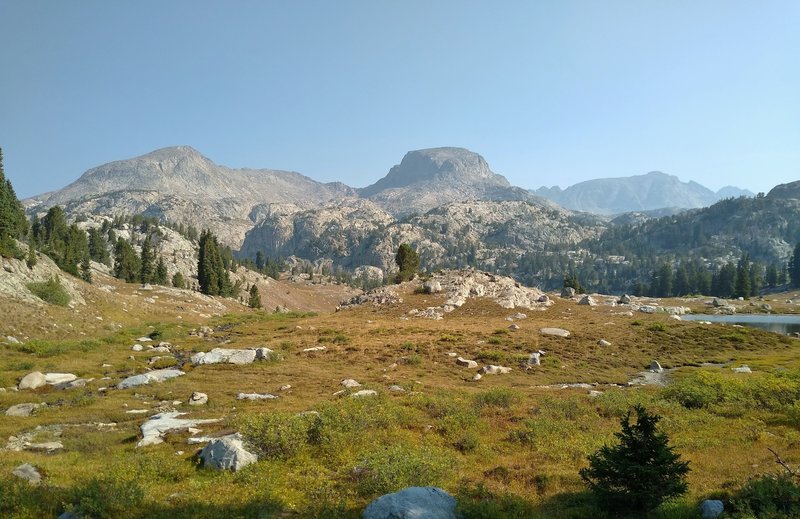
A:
[29,473]
[711,508]
[413,503]
[158,375]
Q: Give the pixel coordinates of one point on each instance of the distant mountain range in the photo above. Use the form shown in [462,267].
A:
[446,202]
[652,191]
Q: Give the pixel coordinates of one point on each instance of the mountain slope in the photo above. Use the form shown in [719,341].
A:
[655,190]
[429,178]
[180,184]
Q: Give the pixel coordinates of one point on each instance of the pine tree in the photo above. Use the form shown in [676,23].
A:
[126,262]
[86,269]
[742,283]
[211,273]
[13,224]
[254,300]
[407,261]
[640,472]
[161,275]
[259,261]
[794,267]
[146,261]
[178,281]
[98,250]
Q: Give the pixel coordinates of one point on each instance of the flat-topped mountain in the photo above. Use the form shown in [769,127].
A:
[654,190]
[429,178]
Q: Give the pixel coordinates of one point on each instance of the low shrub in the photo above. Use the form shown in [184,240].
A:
[496,397]
[394,467]
[108,496]
[50,291]
[767,497]
[276,435]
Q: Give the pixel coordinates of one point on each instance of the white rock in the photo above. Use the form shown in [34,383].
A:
[223,355]
[29,473]
[742,369]
[22,410]
[466,363]
[144,339]
[227,453]
[495,370]
[364,393]
[477,377]
[59,378]
[603,342]
[396,389]
[255,396]
[158,375]
[154,429]
[558,332]
[285,387]
[349,383]
[587,301]
[33,380]
[514,327]
[316,348]
[137,347]
[198,398]
[655,367]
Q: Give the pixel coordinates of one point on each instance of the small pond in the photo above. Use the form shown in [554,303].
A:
[785,324]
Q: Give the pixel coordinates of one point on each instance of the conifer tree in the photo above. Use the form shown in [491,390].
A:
[161,275]
[126,262]
[640,472]
[254,300]
[13,224]
[211,273]
[407,261]
[794,266]
[178,281]
[146,261]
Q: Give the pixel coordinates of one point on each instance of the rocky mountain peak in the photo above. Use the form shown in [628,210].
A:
[453,165]
[789,190]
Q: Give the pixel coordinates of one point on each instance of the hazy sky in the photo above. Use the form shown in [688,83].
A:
[550,92]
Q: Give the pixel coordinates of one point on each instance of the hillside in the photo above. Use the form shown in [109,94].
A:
[180,184]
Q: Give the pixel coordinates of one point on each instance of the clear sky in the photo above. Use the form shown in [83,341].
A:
[550,92]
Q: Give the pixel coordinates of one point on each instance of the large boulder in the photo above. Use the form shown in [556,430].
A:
[567,292]
[466,363]
[22,409]
[413,503]
[587,301]
[431,287]
[711,508]
[33,380]
[491,369]
[29,473]
[227,453]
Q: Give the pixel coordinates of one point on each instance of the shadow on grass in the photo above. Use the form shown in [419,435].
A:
[479,503]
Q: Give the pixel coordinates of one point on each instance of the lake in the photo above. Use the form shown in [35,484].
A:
[785,324]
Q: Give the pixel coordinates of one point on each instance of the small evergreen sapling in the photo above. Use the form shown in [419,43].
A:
[640,472]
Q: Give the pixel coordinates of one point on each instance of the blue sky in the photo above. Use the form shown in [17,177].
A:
[550,92]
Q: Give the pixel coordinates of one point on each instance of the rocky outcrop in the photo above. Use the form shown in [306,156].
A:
[179,184]
[157,426]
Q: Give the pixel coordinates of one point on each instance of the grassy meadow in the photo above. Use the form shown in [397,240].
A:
[506,446]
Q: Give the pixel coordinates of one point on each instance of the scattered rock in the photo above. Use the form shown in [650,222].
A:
[587,301]
[625,300]
[594,393]
[22,409]
[79,382]
[285,387]
[495,370]
[742,369]
[466,363]
[477,377]
[264,353]
[535,359]
[12,339]
[255,396]
[711,508]
[517,317]
[198,398]
[227,453]
[647,309]
[558,332]
[224,356]
[158,375]
[157,426]
[364,392]
[766,307]
[514,327]
[567,292]
[396,389]
[29,473]
[413,503]
[544,298]
[144,339]
[33,380]
[603,342]
[349,383]
[655,367]
[316,348]
[46,447]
